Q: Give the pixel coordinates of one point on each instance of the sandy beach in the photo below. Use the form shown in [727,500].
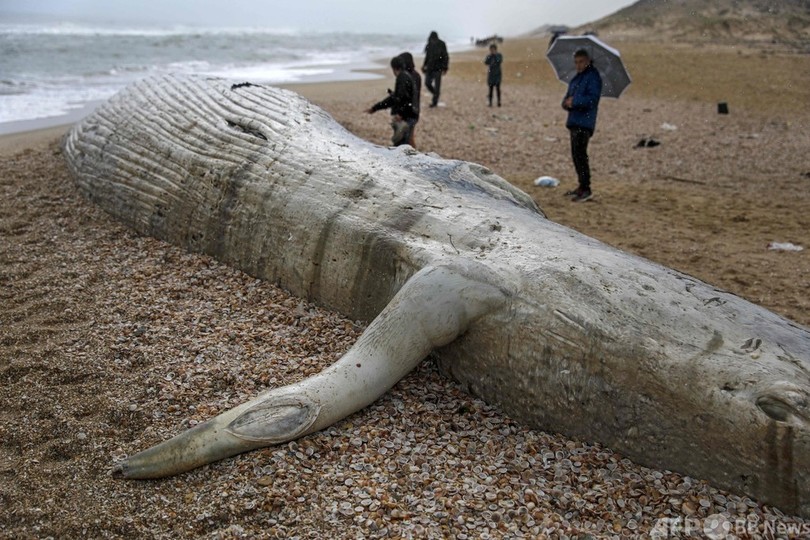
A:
[111,342]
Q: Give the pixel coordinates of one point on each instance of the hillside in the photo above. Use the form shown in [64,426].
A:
[763,23]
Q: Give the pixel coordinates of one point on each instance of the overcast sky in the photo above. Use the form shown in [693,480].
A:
[448,17]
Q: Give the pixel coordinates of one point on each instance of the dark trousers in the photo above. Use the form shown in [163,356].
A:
[433,82]
[496,87]
[579,151]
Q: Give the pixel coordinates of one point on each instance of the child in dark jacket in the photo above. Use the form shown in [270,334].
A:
[494,60]
[400,101]
[410,67]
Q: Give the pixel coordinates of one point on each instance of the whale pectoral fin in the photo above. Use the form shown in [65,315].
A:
[433,308]
[440,302]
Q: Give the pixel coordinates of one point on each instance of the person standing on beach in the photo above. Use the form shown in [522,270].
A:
[410,67]
[494,60]
[582,103]
[436,64]
[400,101]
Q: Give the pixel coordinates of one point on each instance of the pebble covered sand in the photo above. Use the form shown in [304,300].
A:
[111,342]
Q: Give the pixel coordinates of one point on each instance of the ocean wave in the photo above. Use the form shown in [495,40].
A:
[50,69]
[76,29]
[9,87]
[73,29]
[44,103]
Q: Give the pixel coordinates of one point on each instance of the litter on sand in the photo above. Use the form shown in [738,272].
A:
[669,127]
[647,143]
[547,181]
[784,246]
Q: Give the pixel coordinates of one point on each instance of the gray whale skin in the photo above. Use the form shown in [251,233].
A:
[558,330]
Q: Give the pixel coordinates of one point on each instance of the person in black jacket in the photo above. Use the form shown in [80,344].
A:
[400,101]
[436,64]
[417,91]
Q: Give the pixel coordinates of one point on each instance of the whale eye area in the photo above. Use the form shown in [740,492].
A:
[776,408]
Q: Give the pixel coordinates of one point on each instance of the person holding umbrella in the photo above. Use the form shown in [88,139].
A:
[596,70]
[582,103]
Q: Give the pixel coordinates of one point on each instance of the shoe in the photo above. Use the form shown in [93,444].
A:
[583,196]
[572,193]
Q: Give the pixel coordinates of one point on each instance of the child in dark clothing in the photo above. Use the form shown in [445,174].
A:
[494,60]
[400,101]
[417,90]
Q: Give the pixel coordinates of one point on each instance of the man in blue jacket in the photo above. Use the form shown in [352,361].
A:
[582,103]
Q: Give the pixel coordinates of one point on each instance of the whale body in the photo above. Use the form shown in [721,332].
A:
[558,330]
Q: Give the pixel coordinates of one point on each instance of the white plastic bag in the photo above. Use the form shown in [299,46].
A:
[784,246]
[546,181]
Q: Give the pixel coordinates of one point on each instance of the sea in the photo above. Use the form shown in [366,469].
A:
[56,72]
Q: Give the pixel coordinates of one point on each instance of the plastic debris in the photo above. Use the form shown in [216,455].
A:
[668,127]
[647,143]
[784,246]
[547,181]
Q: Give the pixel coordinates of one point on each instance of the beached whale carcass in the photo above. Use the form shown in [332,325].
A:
[559,330]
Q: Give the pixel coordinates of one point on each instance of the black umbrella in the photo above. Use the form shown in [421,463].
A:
[605,58]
